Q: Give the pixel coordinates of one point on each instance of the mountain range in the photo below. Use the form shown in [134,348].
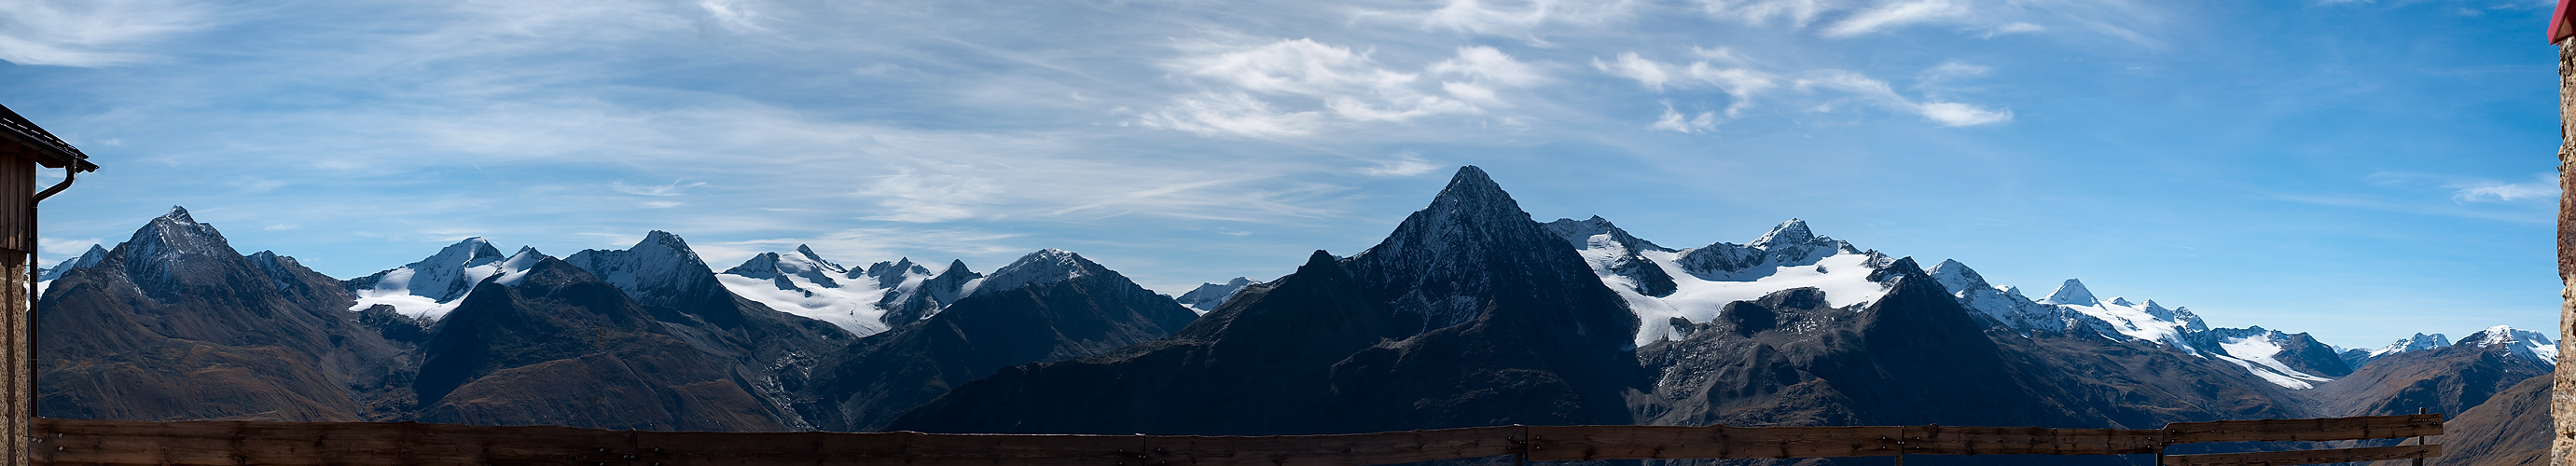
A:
[1468,313]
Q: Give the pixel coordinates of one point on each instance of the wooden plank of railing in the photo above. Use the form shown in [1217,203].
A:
[2289,430]
[88,442]
[1948,440]
[2279,458]
[91,442]
[1567,443]
[1659,442]
[1325,450]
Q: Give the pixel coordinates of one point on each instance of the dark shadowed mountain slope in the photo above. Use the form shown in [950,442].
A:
[550,344]
[174,324]
[2447,380]
[1469,314]
[2509,429]
[1050,305]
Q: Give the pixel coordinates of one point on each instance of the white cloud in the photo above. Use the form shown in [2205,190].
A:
[1407,163]
[2543,187]
[1893,15]
[1743,84]
[2014,28]
[1798,13]
[733,15]
[281,226]
[1298,86]
[672,189]
[1232,114]
[1485,64]
[1959,114]
[659,204]
[1879,93]
[1952,70]
[92,33]
[1629,65]
[1674,121]
[1522,21]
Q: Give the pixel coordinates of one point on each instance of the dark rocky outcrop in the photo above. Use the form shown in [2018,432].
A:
[173,324]
[1469,314]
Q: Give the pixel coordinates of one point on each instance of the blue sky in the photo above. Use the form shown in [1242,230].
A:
[2360,170]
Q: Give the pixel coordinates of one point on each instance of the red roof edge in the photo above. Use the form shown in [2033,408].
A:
[2559,27]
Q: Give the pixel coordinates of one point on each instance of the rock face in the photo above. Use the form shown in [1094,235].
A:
[1468,314]
[174,324]
[1050,305]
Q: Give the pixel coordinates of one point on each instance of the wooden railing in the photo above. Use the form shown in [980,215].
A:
[89,442]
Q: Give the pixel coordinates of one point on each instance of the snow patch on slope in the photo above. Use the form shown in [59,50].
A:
[429,288]
[804,284]
[1705,279]
[2255,353]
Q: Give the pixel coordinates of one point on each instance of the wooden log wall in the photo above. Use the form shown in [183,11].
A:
[92,442]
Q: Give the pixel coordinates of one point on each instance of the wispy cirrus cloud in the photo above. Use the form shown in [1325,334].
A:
[1406,163]
[1520,20]
[2541,187]
[1295,87]
[94,33]
[1892,15]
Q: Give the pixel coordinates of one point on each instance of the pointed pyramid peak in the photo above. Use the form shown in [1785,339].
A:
[1472,188]
[1793,231]
[954,265]
[2071,293]
[176,214]
[664,237]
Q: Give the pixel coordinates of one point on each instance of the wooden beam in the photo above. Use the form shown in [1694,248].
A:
[94,442]
[2278,458]
[2292,430]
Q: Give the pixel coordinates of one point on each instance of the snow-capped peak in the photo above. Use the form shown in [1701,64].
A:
[174,235]
[2526,343]
[1037,268]
[86,260]
[1957,276]
[2072,293]
[658,268]
[817,259]
[2418,342]
[2503,334]
[1209,295]
[807,285]
[1790,232]
[432,286]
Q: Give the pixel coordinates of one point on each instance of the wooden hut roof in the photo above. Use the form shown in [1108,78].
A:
[51,151]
